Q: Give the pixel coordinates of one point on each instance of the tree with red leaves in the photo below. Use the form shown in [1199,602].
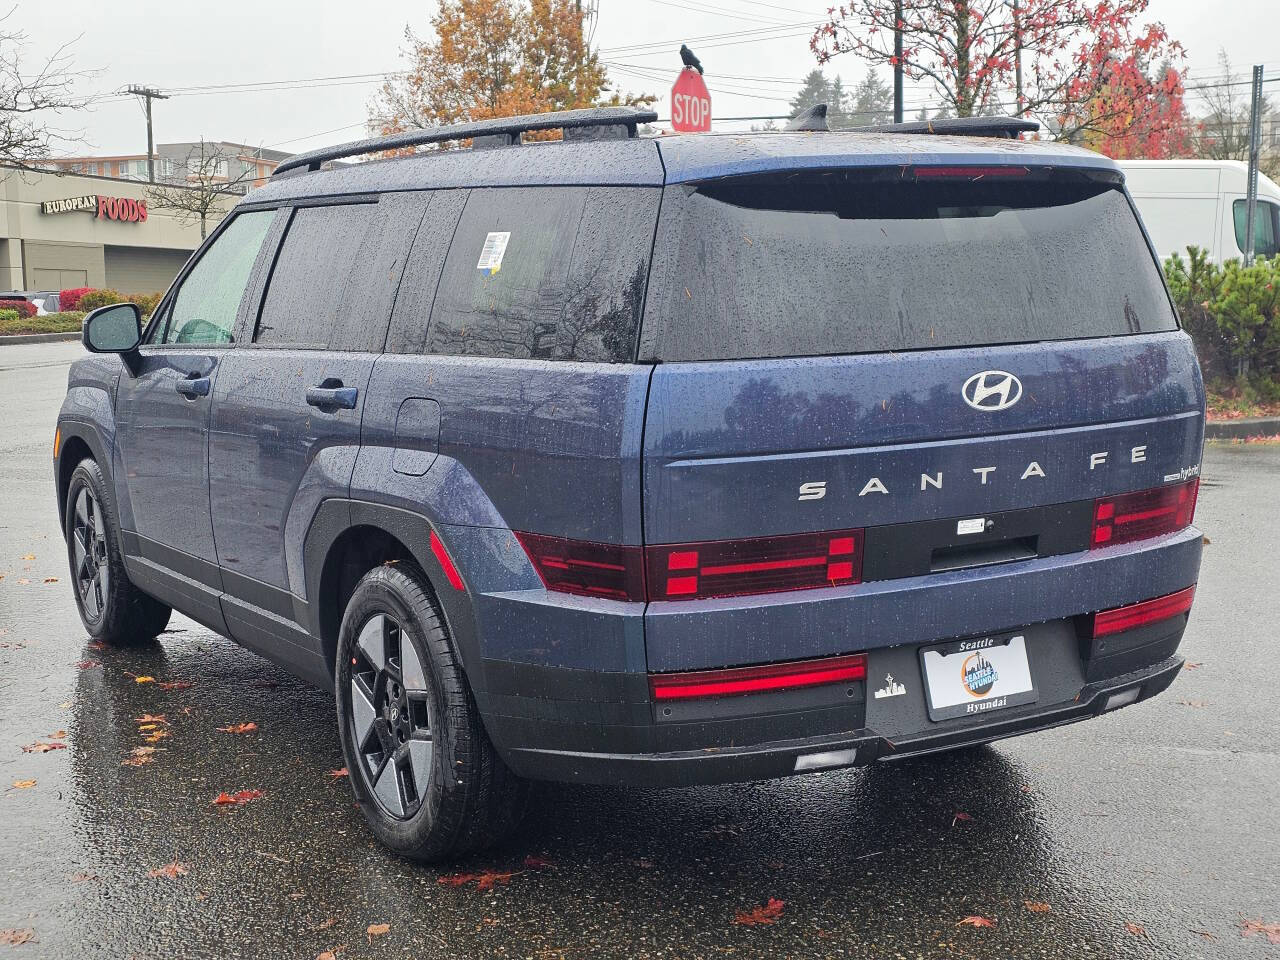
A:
[1140,118]
[1083,61]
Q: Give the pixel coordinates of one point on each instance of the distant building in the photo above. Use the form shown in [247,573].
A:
[240,166]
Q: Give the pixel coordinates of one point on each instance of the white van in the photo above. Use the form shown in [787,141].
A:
[1202,203]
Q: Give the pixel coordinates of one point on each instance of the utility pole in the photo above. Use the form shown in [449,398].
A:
[897,61]
[1255,136]
[148,94]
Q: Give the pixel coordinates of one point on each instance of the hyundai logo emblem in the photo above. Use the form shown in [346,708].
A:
[992,390]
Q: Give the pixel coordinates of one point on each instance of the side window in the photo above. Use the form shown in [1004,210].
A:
[553,273]
[335,279]
[422,273]
[204,310]
[1264,227]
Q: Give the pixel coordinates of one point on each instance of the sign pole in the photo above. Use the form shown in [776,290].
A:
[1255,136]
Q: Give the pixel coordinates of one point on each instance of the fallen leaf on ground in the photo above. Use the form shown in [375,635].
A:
[484,880]
[176,685]
[50,579]
[1137,929]
[1193,703]
[87,664]
[537,863]
[377,930]
[144,679]
[58,735]
[338,774]
[325,925]
[239,727]
[150,718]
[23,581]
[1203,933]
[39,747]
[170,870]
[1192,666]
[327,955]
[239,798]
[758,916]
[97,645]
[1270,930]
[960,818]
[1035,906]
[156,737]
[976,921]
[14,937]
[23,784]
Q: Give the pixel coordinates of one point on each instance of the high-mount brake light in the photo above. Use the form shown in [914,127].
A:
[585,568]
[967,173]
[1106,622]
[1147,513]
[726,568]
[770,677]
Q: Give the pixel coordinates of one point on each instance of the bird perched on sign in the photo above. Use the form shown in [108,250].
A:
[689,60]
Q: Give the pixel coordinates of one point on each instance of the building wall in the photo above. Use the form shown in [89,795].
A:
[38,248]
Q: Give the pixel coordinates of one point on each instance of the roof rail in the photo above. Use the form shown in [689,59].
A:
[1005,127]
[501,127]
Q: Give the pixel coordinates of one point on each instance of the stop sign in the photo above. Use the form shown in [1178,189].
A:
[690,103]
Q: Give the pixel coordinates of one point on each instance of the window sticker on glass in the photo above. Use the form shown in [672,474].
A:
[495,245]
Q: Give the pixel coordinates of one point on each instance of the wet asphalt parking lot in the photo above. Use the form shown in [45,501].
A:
[1151,832]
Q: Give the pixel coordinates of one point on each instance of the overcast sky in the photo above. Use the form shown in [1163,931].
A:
[176,46]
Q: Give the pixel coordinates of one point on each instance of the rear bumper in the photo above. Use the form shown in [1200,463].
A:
[854,748]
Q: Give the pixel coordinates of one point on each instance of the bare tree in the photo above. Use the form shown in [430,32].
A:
[30,99]
[1224,123]
[207,191]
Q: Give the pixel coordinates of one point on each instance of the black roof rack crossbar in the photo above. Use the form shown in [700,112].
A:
[1006,127]
[511,127]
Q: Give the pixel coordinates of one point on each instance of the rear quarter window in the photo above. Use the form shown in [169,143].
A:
[569,284]
[836,262]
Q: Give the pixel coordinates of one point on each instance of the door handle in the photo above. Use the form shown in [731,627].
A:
[194,386]
[335,397]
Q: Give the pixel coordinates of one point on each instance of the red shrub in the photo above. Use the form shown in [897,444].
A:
[25,308]
[70,299]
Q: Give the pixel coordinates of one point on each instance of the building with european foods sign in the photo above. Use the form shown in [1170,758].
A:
[61,230]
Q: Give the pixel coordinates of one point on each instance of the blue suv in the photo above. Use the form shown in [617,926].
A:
[662,461]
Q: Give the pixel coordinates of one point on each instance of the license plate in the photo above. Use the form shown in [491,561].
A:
[966,678]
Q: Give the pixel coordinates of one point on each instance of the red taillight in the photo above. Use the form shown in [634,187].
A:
[1106,622]
[774,676]
[590,569]
[967,173]
[1147,513]
[726,568]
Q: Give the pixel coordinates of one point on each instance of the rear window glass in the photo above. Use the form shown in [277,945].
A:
[335,278]
[1264,227]
[554,273]
[834,262]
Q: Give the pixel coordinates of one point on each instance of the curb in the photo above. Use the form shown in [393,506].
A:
[1240,429]
[39,337]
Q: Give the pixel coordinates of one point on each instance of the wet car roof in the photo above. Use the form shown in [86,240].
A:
[654,161]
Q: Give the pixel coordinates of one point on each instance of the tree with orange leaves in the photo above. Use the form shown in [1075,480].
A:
[494,58]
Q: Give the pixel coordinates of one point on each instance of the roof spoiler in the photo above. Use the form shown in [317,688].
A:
[489,132]
[814,119]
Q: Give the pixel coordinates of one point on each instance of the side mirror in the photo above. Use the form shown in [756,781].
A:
[113,329]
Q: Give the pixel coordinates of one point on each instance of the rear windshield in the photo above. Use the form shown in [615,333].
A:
[834,262]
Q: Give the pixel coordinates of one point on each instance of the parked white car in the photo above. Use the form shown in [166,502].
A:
[1202,203]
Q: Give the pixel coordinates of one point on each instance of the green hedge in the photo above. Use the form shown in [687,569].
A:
[66,322]
[1233,314]
[94,299]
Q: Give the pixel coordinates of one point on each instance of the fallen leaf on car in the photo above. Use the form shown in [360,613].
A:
[23,784]
[170,870]
[1035,906]
[1137,929]
[758,916]
[1270,930]
[377,930]
[976,921]
[338,774]
[13,938]
[40,747]
[239,798]
[239,727]
[538,863]
[176,685]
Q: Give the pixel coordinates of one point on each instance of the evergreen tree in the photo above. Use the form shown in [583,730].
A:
[837,106]
[872,101]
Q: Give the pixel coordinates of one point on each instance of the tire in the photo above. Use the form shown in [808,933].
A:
[111,608]
[427,778]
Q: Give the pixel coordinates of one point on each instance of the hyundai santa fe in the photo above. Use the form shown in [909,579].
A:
[636,460]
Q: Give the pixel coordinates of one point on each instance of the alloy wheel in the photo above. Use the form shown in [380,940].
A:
[89,550]
[391,716]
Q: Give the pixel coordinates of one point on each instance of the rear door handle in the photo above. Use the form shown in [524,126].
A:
[333,398]
[193,386]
